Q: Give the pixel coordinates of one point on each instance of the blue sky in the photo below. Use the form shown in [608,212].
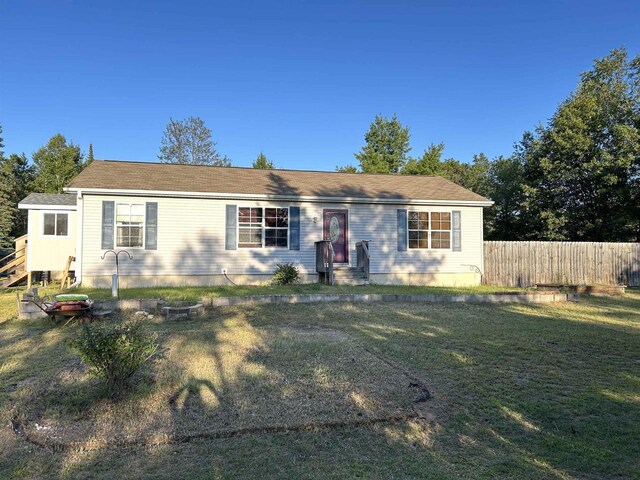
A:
[300,81]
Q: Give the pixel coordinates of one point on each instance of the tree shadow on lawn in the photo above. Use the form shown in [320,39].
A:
[514,397]
[225,379]
[511,363]
[491,365]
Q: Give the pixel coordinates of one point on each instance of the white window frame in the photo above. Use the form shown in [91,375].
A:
[115,223]
[263,227]
[56,213]
[450,212]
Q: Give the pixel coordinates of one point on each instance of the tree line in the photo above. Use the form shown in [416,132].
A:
[51,167]
[577,177]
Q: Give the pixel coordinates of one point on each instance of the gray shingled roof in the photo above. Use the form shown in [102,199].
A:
[104,174]
[56,199]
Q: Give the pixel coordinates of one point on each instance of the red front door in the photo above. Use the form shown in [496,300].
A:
[336,229]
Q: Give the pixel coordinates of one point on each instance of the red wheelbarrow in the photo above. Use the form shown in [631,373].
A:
[69,307]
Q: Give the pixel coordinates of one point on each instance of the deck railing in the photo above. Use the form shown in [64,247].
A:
[363,256]
[16,261]
[324,261]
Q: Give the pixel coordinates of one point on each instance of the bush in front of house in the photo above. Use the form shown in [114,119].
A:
[285,274]
[115,351]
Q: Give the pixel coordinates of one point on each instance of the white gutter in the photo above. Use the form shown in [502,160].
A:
[29,233]
[26,206]
[79,237]
[292,198]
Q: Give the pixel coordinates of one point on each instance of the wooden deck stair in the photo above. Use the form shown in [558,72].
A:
[15,279]
[13,267]
[332,274]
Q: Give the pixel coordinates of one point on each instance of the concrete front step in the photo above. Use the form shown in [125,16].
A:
[350,282]
[350,276]
[348,271]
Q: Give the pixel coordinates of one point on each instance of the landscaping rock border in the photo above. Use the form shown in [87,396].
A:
[508,297]
[537,297]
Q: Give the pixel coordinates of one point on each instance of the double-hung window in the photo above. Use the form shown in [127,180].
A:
[260,227]
[429,230]
[129,224]
[55,224]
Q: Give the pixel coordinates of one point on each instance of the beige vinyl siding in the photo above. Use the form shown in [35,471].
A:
[49,253]
[378,223]
[191,240]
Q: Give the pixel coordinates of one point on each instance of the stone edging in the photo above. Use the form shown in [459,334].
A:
[208,302]
[541,297]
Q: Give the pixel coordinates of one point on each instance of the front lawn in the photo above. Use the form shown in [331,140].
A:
[196,293]
[336,391]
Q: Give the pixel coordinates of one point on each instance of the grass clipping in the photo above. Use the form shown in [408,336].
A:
[223,381]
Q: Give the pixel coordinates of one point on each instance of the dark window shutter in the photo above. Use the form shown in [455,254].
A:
[456,231]
[108,210]
[151,226]
[402,230]
[294,228]
[230,234]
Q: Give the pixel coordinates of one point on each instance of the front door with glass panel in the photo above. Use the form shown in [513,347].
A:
[336,229]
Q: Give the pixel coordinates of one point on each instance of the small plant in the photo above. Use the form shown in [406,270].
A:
[115,351]
[285,274]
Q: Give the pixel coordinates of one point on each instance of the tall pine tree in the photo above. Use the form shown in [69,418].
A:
[18,175]
[262,162]
[7,209]
[386,146]
[89,155]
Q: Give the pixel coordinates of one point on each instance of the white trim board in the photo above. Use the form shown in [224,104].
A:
[23,206]
[290,198]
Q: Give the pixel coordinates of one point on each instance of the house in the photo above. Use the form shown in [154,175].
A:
[202,225]
[52,225]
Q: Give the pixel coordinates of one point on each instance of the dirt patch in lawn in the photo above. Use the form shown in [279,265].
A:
[222,381]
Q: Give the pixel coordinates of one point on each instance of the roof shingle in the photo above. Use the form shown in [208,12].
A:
[146,176]
[55,199]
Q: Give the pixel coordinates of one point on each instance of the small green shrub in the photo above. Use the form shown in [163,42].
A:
[115,351]
[285,274]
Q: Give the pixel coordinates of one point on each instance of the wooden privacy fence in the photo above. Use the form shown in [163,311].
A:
[524,264]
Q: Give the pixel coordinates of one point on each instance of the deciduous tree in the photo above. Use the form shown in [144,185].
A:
[190,142]
[581,169]
[56,164]
[347,169]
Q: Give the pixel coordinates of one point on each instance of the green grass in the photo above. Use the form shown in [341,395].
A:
[9,308]
[518,391]
[9,303]
[196,293]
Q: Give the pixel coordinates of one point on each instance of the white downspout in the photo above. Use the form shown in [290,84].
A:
[79,233]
